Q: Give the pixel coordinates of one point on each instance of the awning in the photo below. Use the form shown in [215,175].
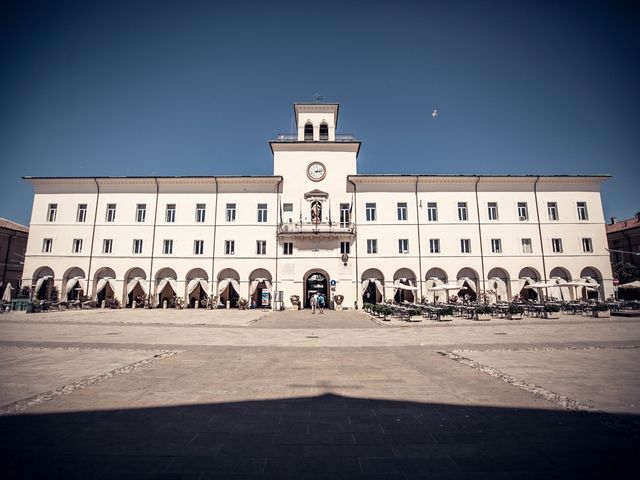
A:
[193,284]
[224,283]
[103,282]
[72,283]
[470,283]
[167,281]
[40,281]
[257,281]
[137,281]
[367,281]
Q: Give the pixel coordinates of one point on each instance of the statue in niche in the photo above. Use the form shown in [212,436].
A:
[316,211]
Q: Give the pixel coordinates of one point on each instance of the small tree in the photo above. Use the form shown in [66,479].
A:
[626,272]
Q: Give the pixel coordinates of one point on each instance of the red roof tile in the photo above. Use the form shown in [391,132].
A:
[4,223]
[627,224]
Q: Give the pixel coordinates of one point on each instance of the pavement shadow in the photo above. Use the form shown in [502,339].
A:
[328,436]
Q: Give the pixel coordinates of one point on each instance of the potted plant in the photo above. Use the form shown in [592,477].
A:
[113,303]
[551,310]
[242,303]
[385,310]
[601,310]
[515,311]
[483,312]
[34,306]
[445,314]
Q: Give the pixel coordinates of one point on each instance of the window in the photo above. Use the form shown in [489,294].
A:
[77,245]
[137,246]
[167,247]
[324,131]
[345,215]
[463,215]
[372,246]
[345,247]
[198,247]
[287,248]
[434,245]
[496,245]
[370,210]
[231,212]
[229,247]
[308,132]
[587,245]
[527,247]
[201,211]
[556,245]
[261,247]
[402,211]
[492,210]
[111,212]
[523,211]
[403,245]
[432,212]
[107,245]
[170,215]
[552,210]
[465,245]
[262,212]
[287,207]
[141,212]
[582,211]
[81,216]
[47,245]
[52,212]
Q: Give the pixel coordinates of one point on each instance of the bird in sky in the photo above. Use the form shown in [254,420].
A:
[434,114]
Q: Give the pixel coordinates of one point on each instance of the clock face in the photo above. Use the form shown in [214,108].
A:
[316,171]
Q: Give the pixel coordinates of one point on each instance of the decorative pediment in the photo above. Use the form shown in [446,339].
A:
[316,194]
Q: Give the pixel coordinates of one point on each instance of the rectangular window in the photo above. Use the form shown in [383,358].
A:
[587,245]
[77,245]
[111,212]
[372,246]
[167,247]
[370,211]
[141,212]
[434,245]
[287,248]
[81,216]
[552,210]
[47,245]
[432,212]
[582,211]
[496,245]
[198,247]
[492,210]
[52,212]
[170,215]
[345,215]
[465,245]
[229,247]
[107,245]
[527,246]
[403,245]
[287,207]
[231,212]
[523,211]
[402,211]
[463,214]
[137,246]
[556,245]
[345,247]
[261,247]
[201,211]
[262,213]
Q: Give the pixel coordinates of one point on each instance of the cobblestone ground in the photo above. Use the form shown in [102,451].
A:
[197,395]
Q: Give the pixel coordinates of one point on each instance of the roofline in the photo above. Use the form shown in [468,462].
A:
[327,142]
[316,103]
[28,177]
[481,175]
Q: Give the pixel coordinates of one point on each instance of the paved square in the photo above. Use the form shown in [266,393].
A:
[290,395]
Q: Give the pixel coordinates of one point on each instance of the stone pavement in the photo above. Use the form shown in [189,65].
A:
[295,396]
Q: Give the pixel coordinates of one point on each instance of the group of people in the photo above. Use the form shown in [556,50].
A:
[317,302]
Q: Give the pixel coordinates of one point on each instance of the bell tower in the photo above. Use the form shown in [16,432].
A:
[316,122]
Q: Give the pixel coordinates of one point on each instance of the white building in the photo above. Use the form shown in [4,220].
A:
[317,224]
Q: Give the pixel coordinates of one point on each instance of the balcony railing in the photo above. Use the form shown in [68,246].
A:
[293,137]
[312,228]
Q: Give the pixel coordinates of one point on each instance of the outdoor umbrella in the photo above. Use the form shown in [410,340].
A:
[634,284]
[7,293]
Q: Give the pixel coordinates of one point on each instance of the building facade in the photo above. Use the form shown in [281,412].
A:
[13,243]
[624,240]
[318,225]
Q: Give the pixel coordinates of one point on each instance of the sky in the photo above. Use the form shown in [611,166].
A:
[199,88]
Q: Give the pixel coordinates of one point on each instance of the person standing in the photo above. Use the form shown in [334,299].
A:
[321,301]
[313,301]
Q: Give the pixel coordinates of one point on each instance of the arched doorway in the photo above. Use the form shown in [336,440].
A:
[316,281]
[166,286]
[434,278]
[528,276]
[498,285]
[592,277]
[260,288]
[467,278]
[229,287]
[73,283]
[43,281]
[136,287]
[404,286]
[372,286]
[562,291]
[197,287]
[105,286]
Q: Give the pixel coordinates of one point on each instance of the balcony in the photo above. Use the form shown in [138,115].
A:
[312,229]
[293,137]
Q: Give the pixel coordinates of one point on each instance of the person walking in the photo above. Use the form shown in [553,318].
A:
[321,301]
[313,301]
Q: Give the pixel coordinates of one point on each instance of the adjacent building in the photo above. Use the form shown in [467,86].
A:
[13,243]
[624,240]
[318,225]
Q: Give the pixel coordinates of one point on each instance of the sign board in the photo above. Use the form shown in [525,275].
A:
[616,282]
[265,297]
[333,283]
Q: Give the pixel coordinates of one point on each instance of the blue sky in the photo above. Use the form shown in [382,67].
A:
[198,88]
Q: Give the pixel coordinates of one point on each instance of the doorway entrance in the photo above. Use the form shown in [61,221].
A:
[316,282]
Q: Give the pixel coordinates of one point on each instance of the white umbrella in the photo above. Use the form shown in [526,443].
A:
[446,286]
[634,284]
[7,293]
